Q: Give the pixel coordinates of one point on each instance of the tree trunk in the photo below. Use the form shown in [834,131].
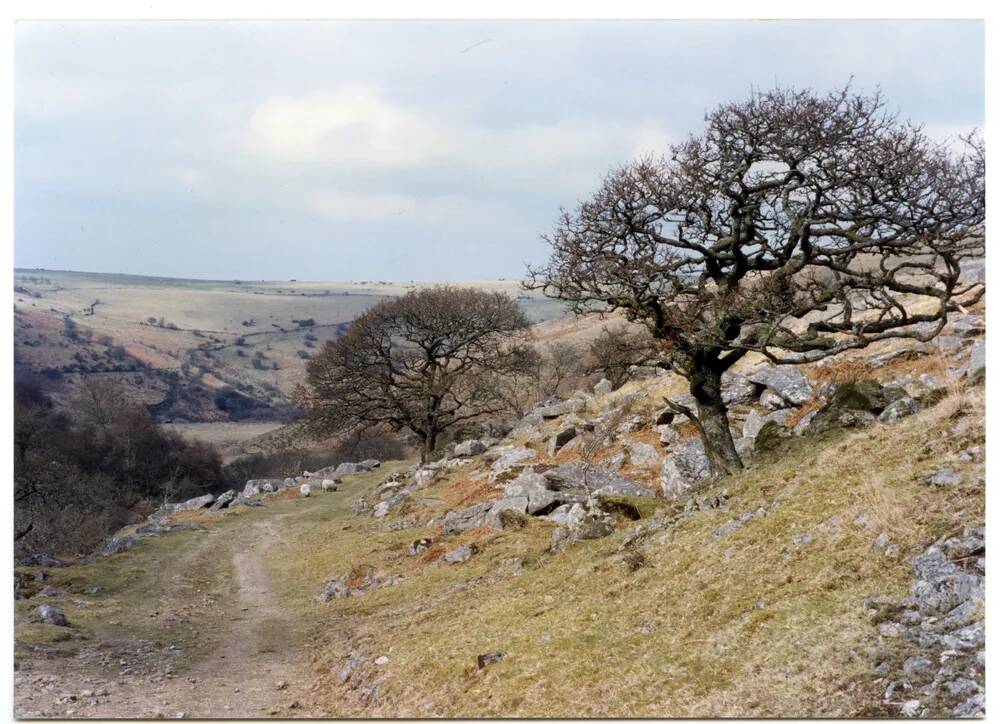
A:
[430,442]
[713,417]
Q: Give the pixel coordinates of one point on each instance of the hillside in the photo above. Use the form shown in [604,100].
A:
[196,351]
[582,566]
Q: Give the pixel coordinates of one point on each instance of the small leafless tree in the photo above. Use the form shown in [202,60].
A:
[99,402]
[796,225]
[422,362]
[617,350]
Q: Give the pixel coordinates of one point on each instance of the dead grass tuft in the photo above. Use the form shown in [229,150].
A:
[468,490]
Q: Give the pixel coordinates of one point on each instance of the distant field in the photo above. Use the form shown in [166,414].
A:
[221,434]
[192,340]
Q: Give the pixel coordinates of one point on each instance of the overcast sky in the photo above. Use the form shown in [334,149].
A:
[396,150]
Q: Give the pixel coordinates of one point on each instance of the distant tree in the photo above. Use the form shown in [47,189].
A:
[422,362]
[617,350]
[99,403]
[797,226]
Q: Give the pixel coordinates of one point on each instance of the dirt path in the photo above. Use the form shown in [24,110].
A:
[253,671]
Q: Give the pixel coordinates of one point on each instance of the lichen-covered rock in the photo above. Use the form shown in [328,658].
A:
[510,456]
[562,436]
[222,501]
[603,387]
[855,404]
[468,448]
[944,477]
[496,515]
[903,407]
[201,501]
[117,544]
[473,516]
[47,613]
[786,381]
[642,454]
[583,478]
[738,389]
[684,470]
[458,555]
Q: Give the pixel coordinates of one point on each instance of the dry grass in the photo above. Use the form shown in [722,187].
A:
[682,634]
[468,490]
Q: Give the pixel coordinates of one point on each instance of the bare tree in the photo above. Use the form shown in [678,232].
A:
[618,349]
[422,362]
[797,225]
[99,402]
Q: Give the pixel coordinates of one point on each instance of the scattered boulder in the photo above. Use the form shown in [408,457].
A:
[497,517]
[50,614]
[642,454]
[201,501]
[977,359]
[684,470]
[785,381]
[420,545]
[40,560]
[423,476]
[602,388]
[459,555]
[855,404]
[473,516]
[484,660]
[773,401]
[563,436]
[967,325]
[511,456]
[540,495]
[668,434]
[944,477]
[223,501]
[737,389]
[117,544]
[949,343]
[583,478]
[554,408]
[895,411]
[769,437]
[469,448]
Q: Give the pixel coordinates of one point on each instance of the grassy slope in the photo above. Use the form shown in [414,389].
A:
[683,635]
[746,624]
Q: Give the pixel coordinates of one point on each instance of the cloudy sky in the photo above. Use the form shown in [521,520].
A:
[396,150]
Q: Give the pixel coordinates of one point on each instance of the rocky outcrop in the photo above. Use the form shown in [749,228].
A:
[942,620]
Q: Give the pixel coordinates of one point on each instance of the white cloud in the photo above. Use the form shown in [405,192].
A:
[353,125]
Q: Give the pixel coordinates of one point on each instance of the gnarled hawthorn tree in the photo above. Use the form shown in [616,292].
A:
[796,225]
[422,362]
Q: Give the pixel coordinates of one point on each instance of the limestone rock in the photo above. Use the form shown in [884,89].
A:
[684,469]
[50,614]
[223,501]
[469,448]
[459,555]
[563,436]
[473,516]
[784,380]
[603,387]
